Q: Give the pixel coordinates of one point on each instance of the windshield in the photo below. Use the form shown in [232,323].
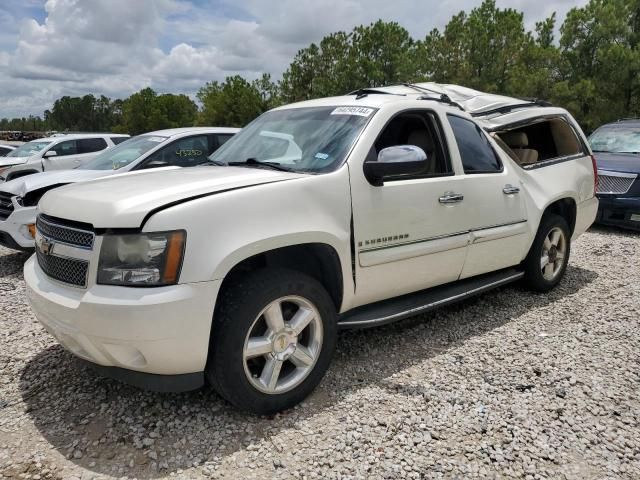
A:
[616,140]
[315,139]
[123,154]
[29,148]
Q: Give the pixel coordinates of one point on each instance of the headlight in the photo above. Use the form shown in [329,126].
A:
[141,259]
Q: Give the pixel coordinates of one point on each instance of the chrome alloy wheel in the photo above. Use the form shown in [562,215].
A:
[554,250]
[282,345]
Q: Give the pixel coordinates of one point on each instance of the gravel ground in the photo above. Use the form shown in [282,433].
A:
[510,384]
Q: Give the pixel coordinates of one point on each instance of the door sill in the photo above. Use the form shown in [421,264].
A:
[394,309]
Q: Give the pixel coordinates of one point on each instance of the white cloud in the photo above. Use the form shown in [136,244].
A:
[115,47]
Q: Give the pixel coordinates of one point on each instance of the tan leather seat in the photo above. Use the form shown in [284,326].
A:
[421,138]
[518,141]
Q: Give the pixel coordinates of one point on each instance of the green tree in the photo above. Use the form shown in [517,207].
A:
[232,103]
[600,61]
[378,54]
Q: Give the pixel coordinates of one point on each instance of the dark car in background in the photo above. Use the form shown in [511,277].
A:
[616,147]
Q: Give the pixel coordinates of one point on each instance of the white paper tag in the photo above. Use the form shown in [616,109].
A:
[157,139]
[360,111]
[635,217]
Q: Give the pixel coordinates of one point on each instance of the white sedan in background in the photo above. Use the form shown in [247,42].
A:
[179,147]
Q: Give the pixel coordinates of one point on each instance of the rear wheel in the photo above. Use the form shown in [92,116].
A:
[272,340]
[547,260]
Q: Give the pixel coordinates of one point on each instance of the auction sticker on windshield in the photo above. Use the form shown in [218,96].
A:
[360,111]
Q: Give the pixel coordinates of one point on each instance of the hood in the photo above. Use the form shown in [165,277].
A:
[618,162]
[123,201]
[29,183]
[8,161]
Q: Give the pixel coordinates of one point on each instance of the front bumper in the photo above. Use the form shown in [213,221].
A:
[619,211]
[14,232]
[156,338]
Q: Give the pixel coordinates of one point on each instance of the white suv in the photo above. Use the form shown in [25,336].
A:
[55,153]
[399,200]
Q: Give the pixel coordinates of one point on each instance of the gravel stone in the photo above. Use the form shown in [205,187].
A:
[508,384]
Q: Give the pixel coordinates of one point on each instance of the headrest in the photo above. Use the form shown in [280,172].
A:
[515,139]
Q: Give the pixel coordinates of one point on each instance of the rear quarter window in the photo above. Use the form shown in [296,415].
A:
[542,141]
[117,140]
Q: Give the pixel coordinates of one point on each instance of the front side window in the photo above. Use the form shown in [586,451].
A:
[476,152]
[67,147]
[90,145]
[417,128]
[618,139]
[313,139]
[28,149]
[124,154]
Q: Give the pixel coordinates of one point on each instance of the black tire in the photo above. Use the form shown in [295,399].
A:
[238,308]
[534,278]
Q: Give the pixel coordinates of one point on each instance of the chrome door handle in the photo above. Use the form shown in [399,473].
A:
[510,190]
[450,197]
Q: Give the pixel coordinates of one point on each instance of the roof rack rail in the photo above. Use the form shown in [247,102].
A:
[363,92]
[624,119]
[443,98]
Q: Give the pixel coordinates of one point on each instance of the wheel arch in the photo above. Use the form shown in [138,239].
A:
[319,260]
[567,208]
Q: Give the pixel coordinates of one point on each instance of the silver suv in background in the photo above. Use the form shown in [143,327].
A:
[55,153]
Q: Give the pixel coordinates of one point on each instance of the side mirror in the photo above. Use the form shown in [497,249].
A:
[395,161]
[50,153]
[156,164]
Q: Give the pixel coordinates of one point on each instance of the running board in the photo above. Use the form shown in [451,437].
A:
[393,309]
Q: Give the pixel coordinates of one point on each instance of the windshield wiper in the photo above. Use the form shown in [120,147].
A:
[259,163]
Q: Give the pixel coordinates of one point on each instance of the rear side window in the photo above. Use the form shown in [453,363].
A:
[117,140]
[216,141]
[89,145]
[476,152]
[67,147]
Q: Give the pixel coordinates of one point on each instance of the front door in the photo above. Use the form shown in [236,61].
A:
[410,233]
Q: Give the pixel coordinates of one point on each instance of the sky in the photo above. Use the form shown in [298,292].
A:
[116,47]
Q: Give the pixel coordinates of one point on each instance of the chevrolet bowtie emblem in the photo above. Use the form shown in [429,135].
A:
[45,246]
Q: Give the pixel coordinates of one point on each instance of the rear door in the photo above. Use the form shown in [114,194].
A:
[494,206]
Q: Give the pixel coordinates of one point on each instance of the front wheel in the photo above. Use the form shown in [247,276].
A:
[547,260]
[272,340]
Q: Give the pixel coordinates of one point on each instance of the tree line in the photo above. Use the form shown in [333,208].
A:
[592,69]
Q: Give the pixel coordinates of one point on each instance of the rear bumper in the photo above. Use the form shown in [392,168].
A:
[586,213]
[13,230]
[620,212]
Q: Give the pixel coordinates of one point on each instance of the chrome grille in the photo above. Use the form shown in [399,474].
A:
[64,234]
[614,182]
[67,270]
[6,206]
